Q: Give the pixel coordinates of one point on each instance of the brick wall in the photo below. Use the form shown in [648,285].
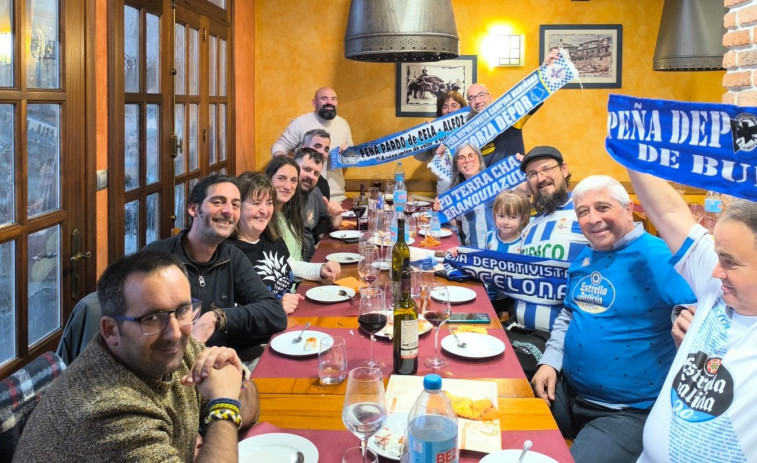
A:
[740,60]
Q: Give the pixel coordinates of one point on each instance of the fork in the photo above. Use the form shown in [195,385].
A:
[299,338]
[460,343]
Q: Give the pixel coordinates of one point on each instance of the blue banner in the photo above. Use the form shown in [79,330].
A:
[705,145]
[526,278]
[422,137]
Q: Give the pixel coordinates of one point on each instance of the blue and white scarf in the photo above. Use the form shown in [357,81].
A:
[522,277]
[706,145]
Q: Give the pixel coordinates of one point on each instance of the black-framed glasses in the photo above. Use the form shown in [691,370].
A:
[544,172]
[156,322]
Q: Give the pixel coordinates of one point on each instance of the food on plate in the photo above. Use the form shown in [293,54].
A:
[477,410]
[311,343]
[430,242]
[389,441]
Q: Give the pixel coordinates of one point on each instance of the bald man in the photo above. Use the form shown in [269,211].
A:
[323,117]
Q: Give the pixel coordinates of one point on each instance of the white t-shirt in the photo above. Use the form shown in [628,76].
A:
[706,411]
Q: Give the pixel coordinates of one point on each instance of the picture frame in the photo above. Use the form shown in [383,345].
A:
[419,83]
[595,49]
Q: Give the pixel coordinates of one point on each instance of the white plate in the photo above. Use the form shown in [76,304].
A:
[329,293]
[377,241]
[345,257]
[511,456]
[276,447]
[388,331]
[478,346]
[395,424]
[383,265]
[444,232]
[348,214]
[419,203]
[283,343]
[458,294]
[345,234]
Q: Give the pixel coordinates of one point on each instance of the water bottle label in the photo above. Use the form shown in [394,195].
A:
[438,452]
[400,197]
[713,205]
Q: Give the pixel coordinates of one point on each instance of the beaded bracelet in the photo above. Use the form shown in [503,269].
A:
[224,403]
[224,414]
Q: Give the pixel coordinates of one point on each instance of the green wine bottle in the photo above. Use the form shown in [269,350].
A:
[400,258]
[405,341]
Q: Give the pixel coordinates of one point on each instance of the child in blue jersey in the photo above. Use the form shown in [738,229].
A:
[512,212]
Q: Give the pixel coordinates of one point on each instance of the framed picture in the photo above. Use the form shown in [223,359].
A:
[418,84]
[595,49]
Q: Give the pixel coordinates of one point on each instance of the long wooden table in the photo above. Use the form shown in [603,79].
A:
[292,400]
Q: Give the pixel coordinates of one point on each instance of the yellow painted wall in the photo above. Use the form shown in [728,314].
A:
[299,47]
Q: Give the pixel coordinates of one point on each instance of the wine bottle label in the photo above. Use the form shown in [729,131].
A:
[409,339]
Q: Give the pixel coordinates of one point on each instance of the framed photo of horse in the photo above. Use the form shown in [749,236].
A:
[595,49]
[419,84]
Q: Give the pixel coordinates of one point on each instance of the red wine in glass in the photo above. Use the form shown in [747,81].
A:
[359,210]
[372,322]
[435,318]
[370,278]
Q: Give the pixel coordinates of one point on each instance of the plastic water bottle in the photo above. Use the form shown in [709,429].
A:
[713,207]
[400,190]
[432,426]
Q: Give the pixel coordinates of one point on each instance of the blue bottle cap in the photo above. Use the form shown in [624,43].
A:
[432,382]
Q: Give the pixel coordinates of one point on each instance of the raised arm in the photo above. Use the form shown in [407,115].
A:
[664,206]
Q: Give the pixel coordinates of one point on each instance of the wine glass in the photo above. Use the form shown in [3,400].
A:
[382,230]
[376,181]
[424,220]
[389,193]
[372,316]
[436,310]
[364,410]
[359,206]
[369,266]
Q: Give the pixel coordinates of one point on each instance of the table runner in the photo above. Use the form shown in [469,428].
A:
[332,444]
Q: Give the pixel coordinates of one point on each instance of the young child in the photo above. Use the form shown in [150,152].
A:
[512,211]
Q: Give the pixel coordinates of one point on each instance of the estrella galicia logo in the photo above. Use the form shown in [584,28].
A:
[702,390]
[594,293]
[744,130]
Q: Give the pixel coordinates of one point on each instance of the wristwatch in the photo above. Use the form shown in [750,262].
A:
[220,318]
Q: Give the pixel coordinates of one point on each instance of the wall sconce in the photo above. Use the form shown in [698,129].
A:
[6,48]
[502,47]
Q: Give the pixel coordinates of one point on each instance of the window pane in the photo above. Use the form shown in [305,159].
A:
[6,46]
[44,283]
[212,134]
[131,227]
[7,301]
[152,39]
[42,32]
[180,58]
[178,162]
[221,67]
[178,194]
[212,66]
[131,146]
[193,140]
[194,62]
[153,218]
[43,180]
[222,132]
[131,49]
[152,148]
[7,155]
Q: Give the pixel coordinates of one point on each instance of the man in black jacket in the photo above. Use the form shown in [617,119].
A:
[237,309]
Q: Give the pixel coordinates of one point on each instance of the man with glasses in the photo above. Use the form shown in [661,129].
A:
[319,140]
[237,309]
[553,233]
[141,390]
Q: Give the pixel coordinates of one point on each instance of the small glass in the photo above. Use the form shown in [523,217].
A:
[332,360]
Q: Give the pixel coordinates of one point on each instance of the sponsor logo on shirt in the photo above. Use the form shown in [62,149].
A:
[702,390]
[593,293]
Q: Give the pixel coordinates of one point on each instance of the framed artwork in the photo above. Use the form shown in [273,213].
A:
[595,49]
[418,84]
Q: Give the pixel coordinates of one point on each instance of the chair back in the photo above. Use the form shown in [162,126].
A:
[20,393]
[82,326]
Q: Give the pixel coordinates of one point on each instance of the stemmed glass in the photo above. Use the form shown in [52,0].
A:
[382,230]
[364,410]
[372,317]
[369,266]
[424,220]
[436,310]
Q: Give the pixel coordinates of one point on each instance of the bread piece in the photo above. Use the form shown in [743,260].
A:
[477,410]
[311,344]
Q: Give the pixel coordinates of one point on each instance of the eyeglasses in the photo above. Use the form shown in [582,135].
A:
[473,98]
[156,322]
[466,157]
[544,172]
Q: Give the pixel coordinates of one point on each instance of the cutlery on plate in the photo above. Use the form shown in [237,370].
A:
[461,344]
[526,447]
[344,293]
[297,457]
[299,337]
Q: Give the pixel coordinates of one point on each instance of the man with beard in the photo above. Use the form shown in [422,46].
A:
[144,386]
[553,233]
[323,117]
[319,215]
[237,309]
[319,140]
